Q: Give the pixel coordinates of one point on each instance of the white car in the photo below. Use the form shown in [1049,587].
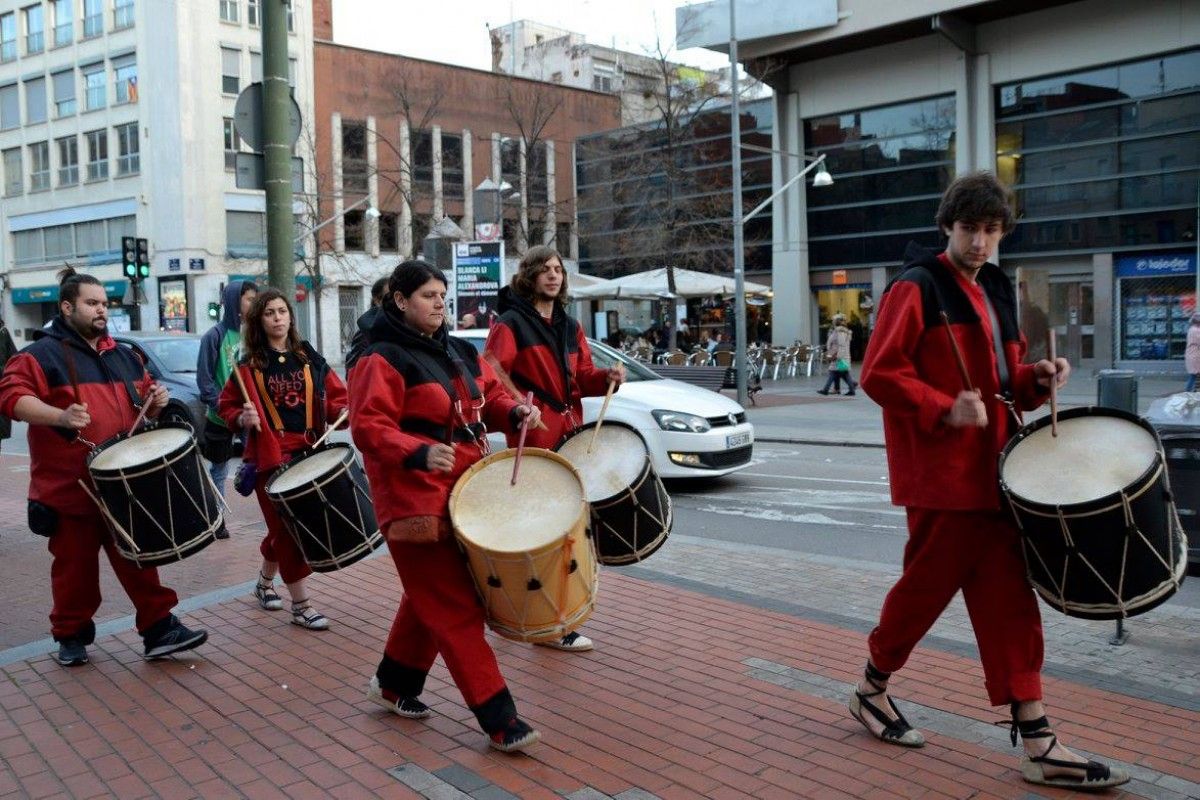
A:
[690,432]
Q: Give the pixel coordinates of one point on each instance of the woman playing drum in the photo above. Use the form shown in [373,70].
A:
[289,393]
[418,400]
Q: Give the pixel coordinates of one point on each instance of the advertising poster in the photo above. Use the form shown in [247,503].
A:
[478,276]
[173,305]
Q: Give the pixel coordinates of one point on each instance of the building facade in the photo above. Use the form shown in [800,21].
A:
[116,119]
[1089,110]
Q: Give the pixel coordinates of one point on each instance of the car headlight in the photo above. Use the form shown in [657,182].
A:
[679,421]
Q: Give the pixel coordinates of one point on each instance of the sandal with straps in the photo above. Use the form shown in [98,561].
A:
[895,731]
[304,615]
[268,598]
[1092,775]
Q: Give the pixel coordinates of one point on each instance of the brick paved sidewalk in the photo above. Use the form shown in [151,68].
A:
[686,695]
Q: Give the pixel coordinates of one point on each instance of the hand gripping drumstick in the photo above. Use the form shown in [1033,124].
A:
[141,416]
[958,356]
[507,383]
[521,440]
[1053,386]
[612,387]
[341,418]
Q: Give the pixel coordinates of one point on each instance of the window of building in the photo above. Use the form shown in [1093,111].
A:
[27,247]
[10,107]
[452,165]
[93,18]
[355,230]
[64,22]
[68,160]
[354,156]
[562,238]
[35,36]
[14,176]
[122,14]
[129,160]
[389,232]
[59,241]
[39,166]
[97,149]
[231,70]
[8,36]
[255,67]
[119,227]
[90,238]
[604,76]
[291,17]
[422,159]
[125,79]
[510,162]
[229,10]
[94,87]
[35,101]
[232,144]
[293,65]
[246,234]
[535,172]
[64,93]
[252,13]
[420,229]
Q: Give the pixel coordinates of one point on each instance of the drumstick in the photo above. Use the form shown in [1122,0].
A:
[141,416]
[237,376]
[507,382]
[108,515]
[341,418]
[72,373]
[1053,387]
[612,386]
[521,440]
[958,356]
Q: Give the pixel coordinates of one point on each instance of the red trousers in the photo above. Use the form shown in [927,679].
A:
[75,578]
[279,545]
[440,612]
[978,552]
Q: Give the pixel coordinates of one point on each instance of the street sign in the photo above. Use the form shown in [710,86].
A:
[247,117]
[249,169]
[196,264]
[173,265]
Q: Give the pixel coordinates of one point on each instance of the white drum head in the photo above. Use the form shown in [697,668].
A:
[545,504]
[141,448]
[1092,457]
[308,470]
[614,464]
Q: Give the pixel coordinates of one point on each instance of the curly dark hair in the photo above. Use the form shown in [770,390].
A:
[976,197]
[533,263]
[255,346]
[69,281]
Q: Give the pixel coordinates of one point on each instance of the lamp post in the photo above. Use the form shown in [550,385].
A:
[371,212]
[822,178]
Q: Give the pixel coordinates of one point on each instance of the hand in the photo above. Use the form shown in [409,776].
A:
[75,417]
[968,411]
[616,374]
[440,458]
[533,413]
[159,395]
[1045,369]
[248,419]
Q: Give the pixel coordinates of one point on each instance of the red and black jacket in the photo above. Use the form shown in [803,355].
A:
[111,381]
[910,370]
[269,448]
[402,401]
[549,358]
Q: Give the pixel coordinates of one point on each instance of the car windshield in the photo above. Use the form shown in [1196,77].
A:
[176,355]
[603,357]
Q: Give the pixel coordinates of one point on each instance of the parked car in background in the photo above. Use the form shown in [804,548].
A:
[171,359]
[690,432]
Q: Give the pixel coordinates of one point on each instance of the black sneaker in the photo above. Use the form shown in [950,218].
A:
[176,638]
[517,735]
[72,653]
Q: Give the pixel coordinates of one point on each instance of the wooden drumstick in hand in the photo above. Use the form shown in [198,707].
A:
[1052,347]
[521,441]
[958,356]
[612,387]
[336,423]
[508,384]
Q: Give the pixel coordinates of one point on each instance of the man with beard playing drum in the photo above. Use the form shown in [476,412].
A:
[545,352]
[418,400]
[943,442]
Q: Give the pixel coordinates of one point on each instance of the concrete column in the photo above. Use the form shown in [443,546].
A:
[468,220]
[496,171]
[964,116]
[792,309]
[339,224]
[574,204]
[549,217]
[371,224]
[436,149]
[406,242]
[1104,311]
[523,172]
[983,116]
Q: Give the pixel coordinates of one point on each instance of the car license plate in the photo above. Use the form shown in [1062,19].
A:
[737,440]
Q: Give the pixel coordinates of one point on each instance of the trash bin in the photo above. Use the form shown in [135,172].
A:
[1117,388]
[1177,420]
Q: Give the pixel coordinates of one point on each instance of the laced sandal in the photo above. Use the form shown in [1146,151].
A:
[1090,776]
[895,731]
[304,615]
[268,598]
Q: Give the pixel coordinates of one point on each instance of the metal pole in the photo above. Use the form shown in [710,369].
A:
[739,267]
[277,149]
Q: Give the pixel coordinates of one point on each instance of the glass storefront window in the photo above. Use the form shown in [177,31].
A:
[1156,299]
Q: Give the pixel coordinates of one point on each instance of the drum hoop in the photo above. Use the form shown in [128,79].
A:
[665,524]
[1162,590]
[124,437]
[369,545]
[146,555]
[1115,500]
[299,491]
[119,475]
[631,489]
[555,630]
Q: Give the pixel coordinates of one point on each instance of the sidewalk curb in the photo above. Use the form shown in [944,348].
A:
[815,442]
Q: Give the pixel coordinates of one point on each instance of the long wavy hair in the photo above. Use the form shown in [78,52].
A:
[255,347]
[533,264]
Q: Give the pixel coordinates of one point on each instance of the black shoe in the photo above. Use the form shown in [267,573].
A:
[222,532]
[850,393]
[72,653]
[517,735]
[174,638]
[822,391]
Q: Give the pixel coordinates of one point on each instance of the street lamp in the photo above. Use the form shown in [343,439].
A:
[371,212]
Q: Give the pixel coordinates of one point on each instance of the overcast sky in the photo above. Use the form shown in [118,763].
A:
[455,32]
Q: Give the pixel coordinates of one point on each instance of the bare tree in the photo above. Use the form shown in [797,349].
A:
[532,106]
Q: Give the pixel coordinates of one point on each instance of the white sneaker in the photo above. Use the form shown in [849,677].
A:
[573,641]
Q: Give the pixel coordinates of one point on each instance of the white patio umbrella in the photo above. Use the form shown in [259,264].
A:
[652,285]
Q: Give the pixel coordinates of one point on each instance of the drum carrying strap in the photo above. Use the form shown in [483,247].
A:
[1006,395]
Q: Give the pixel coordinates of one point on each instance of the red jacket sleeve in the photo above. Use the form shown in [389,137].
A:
[889,374]
[335,396]
[376,406]
[23,377]
[592,380]
[498,403]
[502,346]
[230,401]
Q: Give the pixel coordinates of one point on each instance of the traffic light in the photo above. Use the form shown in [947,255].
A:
[129,258]
[143,259]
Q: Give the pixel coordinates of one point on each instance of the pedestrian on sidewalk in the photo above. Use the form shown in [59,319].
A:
[7,351]
[214,363]
[75,385]
[418,398]
[1191,355]
[943,442]
[545,351]
[837,351]
[293,393]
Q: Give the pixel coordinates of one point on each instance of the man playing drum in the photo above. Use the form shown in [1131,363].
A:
[943,442]
[76,382]
[545,352]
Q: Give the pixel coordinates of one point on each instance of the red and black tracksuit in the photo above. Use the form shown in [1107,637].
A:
[549,357]
[59,369]
[294,396]
[947,478]
[408,392]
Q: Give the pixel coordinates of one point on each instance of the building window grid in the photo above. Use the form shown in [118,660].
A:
[39,166]
[93,18]
[8,36]
[68,161]
[10,107]
[97,147]
[14,177]
[232,143]
[128,149]
[252,13]
[35,38]
[125,81]
[231,70]
[64,22]
[64,93]
[95,89]
[123,12]
[229,11]
[354,156]
[94,239]
[35,101]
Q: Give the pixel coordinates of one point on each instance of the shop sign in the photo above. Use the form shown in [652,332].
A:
[478,275]
[1156,266]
